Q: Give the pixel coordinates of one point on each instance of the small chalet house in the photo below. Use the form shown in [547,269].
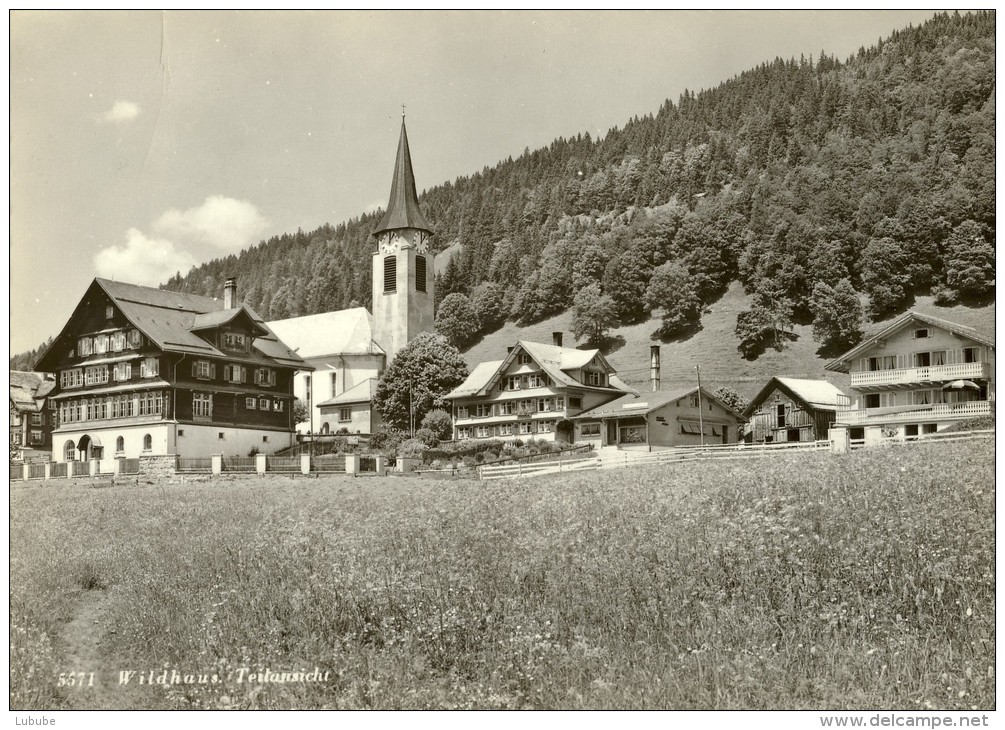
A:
[684,417]
[31,420]
[915,376]
[533,392]
[791,409]
[345,363]
[147,371]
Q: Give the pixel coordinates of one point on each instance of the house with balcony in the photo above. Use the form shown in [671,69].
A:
[143,371]
[917,375]
[534,392]
[793,409]
[31,418]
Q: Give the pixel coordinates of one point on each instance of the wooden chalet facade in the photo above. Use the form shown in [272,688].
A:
[661,419]
[31,419]
[533,392]
[915,376]
[793,409]
[146,371]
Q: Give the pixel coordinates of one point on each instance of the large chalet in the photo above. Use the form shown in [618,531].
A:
[145,371]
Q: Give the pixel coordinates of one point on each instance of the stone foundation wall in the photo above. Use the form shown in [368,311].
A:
[158,466]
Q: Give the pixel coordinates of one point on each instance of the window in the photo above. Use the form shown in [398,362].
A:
[344,414]
[234,341]
[278,406]
[524,427]
[221,436]
[36,419]
[135,338]
[202,405]
[575,402]
[15,437]
[109,312]
[506,429]
[420,273]
[545,426]
[120,445]
[507,408]
[152,403]
[101,344]
[96,375]
[970,354]
[524,359]
[589,429]
[148,442]
[334,383]
[542,405]
[483,432]
[920,334]
[513,382]
[265,376]
[181,432]
[234,373]
[780,415]
[483,410]
[36,437]
[922,359]
[538,381]
[939,357]
[462,411]
[70,452]
[263,404]
[149,368]
[203,370]
[250,403]
[84,346]
[118,341]
[872,400]
[463,433]
[121,406]
[265,439]
[594,378]
[122,371]
[390,274]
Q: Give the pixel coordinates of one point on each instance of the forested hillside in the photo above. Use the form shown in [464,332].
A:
[873,176]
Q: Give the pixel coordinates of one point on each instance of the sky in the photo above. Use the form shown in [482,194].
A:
[143,143]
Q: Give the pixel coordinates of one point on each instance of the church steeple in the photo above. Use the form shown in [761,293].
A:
[403,205]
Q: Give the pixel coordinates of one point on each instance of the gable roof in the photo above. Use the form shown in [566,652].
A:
[28,390]
[817,394]
[842,363]
[478,379]
[359,393]
[645,403]
[167,319]
[212,320]
[403,204]
[345,332]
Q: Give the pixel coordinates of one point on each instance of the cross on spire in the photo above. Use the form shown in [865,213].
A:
[402,111]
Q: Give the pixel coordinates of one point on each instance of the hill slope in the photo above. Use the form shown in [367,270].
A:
[713,348]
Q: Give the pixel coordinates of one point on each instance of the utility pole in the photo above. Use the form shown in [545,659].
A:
[701,421]
[411,412]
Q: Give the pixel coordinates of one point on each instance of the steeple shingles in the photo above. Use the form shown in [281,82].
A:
[403,205]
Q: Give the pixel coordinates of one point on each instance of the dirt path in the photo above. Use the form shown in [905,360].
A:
[83,638]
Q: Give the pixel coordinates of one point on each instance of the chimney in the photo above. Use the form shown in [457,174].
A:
[654,367]
[556,339]
[229,293]
[509,350]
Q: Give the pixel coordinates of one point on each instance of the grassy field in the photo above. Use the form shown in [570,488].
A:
[713,347]
[802,581]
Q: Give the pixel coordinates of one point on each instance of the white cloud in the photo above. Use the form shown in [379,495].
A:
[225,223]
[143,260]
[121,111]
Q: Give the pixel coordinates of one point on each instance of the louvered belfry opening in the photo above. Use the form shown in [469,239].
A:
[420,273]
[390,274]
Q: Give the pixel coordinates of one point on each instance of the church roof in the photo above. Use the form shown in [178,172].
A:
[403,205]
[359,393]
[345,332]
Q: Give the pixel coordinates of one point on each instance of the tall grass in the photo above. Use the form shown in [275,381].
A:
[804,581]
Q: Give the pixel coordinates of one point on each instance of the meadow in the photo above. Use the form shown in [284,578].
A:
[812,581]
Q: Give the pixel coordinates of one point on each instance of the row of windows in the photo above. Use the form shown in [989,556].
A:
[523,428]
[933,396]
[116,406]
[109,342]
[252,403]
[522,382]
[99,374]
[206,370]
[34,437]
[15,419]
[933,358]
[391,274]
[234,341]
[517,407]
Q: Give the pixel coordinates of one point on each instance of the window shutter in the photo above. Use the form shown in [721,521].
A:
[226,373]
[244,374]
[212,370]
[902,361]
[195,369]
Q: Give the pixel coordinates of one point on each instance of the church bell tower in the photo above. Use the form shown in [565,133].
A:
[402,262]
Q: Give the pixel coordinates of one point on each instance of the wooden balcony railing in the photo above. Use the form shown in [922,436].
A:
[931,374]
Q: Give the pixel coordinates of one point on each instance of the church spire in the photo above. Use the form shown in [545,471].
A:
[403,204]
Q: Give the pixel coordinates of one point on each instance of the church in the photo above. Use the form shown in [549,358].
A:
[348,350]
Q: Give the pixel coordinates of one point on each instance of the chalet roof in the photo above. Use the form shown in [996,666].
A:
[478,379]
[817,394]
[167,319]
[345,332]
[403,203]
[644,403]
[359,393]
[28,390]
[212,320]
[842,363]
